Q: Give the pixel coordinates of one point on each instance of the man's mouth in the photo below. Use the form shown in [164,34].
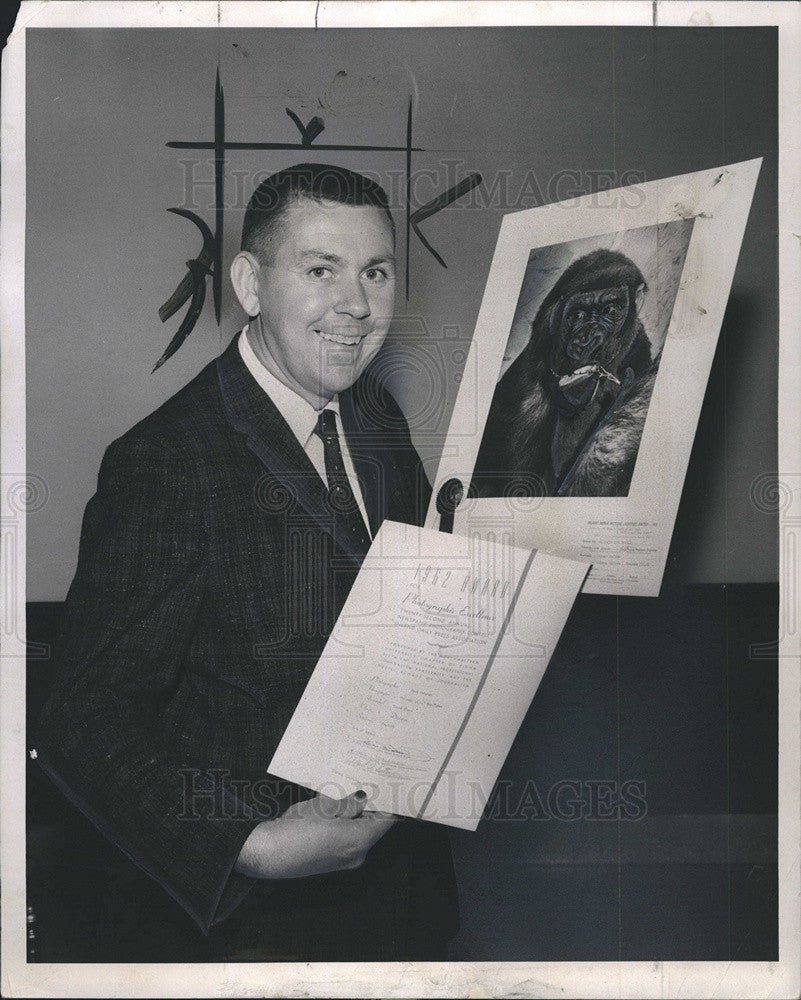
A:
[340,337]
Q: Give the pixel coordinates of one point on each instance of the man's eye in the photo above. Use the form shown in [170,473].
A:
[319,271]
[375,274]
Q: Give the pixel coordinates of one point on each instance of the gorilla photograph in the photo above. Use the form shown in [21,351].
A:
[580,364]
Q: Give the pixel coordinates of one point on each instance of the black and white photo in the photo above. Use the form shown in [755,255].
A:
[400,499]
[568,412]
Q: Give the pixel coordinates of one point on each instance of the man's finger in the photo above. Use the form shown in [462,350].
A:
[326,805]
[381,819]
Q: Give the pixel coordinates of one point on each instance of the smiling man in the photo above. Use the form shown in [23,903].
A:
[224,536]
[320,279]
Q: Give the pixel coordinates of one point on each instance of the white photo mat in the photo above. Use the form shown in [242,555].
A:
[655,978]
[625,538]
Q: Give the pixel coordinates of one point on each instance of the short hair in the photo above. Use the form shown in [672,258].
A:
[317,181]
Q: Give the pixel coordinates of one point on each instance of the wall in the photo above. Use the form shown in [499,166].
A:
[521,106]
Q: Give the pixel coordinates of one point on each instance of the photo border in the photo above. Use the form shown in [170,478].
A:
[576,979]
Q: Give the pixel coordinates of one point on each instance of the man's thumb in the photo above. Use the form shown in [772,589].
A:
[352,806]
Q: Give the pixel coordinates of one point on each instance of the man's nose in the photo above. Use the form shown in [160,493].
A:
[351,300]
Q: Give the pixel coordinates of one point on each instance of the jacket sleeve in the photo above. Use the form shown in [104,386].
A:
[129,617]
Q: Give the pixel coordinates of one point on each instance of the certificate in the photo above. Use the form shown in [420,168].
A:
[428,673]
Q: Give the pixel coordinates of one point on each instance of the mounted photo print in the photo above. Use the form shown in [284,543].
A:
[574,423]
[401,499]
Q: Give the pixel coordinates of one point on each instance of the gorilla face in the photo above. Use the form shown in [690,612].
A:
[593,327]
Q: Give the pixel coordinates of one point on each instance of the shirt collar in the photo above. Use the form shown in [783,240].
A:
[298,413]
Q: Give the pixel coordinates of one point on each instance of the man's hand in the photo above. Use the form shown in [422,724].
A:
[312,837]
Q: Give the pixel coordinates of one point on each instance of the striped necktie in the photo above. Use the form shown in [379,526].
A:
[341,501]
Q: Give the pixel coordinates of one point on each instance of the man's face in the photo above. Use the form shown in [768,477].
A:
[326,295]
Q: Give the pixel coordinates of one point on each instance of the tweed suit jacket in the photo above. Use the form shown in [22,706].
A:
[209,576]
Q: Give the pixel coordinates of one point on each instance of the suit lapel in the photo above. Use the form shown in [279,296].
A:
[269,437]
[376,451]
[367,461]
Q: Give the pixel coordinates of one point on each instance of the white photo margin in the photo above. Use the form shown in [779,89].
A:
[579,979]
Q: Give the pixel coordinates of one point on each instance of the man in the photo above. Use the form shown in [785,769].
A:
[224,536]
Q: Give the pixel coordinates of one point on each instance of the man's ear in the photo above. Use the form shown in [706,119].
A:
[245,274]
[639,295]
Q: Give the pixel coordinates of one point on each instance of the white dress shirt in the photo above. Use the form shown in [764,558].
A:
[302,419]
